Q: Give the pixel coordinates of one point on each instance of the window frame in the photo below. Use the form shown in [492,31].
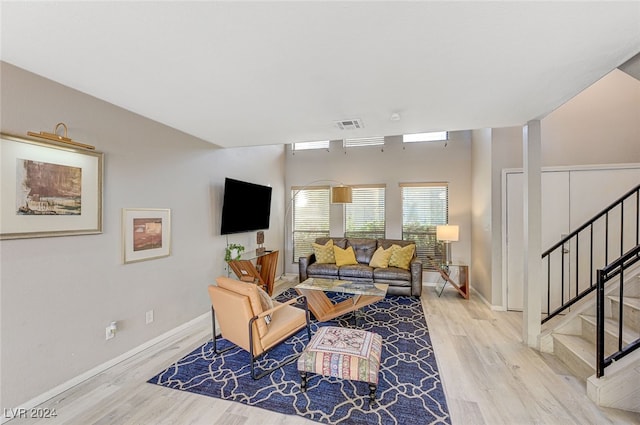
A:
[296,251]
[431,246]
[313,145]
[428,137]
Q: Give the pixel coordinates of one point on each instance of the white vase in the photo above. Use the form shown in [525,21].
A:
[234,253]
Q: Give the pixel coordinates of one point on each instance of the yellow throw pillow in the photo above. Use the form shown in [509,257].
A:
[344,257]
[381,258]
[324,253]
[401,256]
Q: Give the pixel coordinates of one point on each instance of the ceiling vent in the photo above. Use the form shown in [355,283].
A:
[349,124]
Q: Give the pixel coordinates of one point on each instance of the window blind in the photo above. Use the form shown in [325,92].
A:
[364,217]
[363,141]
[424,206]
[310,218]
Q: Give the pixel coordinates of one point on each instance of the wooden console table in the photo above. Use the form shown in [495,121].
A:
[462,286]
[263,273]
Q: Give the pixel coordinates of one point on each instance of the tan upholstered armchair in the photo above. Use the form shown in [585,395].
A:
[245,322]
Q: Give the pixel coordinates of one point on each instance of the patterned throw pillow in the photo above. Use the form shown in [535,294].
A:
[381,258]
[345,257]
[324,253]
[401,256]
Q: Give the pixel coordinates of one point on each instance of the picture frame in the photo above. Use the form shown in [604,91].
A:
[49,189]
[146,234]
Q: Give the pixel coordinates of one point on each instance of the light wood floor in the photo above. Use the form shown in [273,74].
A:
[489,376]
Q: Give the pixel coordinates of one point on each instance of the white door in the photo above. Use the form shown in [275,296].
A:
[591,192]
[569,199]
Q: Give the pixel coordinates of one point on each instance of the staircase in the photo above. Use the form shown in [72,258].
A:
[595,326]
[572,339]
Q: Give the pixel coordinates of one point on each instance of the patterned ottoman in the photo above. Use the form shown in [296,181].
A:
[343,353]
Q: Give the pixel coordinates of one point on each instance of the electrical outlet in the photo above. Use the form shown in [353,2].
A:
[110,330]
[149,316]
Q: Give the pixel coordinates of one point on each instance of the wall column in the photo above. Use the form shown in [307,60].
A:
[532,232]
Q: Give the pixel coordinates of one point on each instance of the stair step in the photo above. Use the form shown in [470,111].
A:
[578,354]
[631,302]
[610,327]
[631,311]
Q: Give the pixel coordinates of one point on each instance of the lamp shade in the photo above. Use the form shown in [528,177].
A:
[447,232]
[341,195]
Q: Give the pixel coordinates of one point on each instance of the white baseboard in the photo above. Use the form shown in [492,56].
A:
[487,303]
[36,401]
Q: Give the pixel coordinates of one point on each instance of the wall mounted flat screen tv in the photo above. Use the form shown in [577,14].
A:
[246,207]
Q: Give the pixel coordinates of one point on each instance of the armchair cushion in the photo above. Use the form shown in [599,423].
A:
[250,291]
[284,322]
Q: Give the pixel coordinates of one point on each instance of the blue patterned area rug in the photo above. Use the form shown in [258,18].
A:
[409,387]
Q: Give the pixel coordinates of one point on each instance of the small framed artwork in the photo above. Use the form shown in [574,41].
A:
[146,233]
[48,189]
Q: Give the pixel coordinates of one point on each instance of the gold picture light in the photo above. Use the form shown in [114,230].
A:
[60,139]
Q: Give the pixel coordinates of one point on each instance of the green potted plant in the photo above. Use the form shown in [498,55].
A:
[233,252]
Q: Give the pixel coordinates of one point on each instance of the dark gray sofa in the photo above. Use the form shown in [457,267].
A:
[400,281]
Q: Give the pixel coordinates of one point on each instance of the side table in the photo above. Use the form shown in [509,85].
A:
[462,286]
[262,273]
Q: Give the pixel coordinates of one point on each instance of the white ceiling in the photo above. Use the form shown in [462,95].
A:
[255,73]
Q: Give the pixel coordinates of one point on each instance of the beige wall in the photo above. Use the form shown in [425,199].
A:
[506,152]
[59,294]
[393,164]
[481,208]
[599,126]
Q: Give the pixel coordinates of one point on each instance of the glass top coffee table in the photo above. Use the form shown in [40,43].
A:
[324,309]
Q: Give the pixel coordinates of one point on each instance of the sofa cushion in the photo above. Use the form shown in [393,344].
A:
[324,270]
[364,248]
[391,274]
[380,258]
[401,256]
[324,253]
[341,242]
[357,271]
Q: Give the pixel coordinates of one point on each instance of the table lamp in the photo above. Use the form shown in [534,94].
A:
[446,234]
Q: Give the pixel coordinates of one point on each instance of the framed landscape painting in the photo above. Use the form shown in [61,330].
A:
[146,233]
[48,189]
